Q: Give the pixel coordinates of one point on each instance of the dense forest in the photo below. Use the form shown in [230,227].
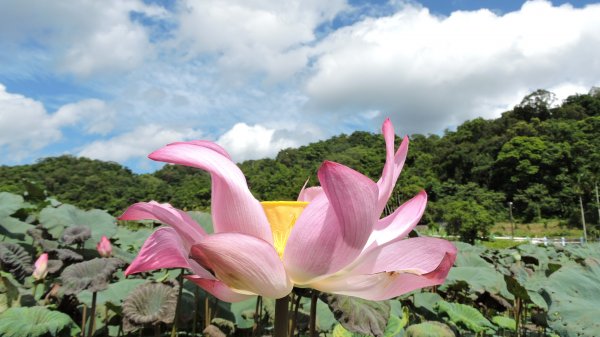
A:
[541,157]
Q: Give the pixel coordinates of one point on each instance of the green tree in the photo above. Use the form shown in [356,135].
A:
[467,219]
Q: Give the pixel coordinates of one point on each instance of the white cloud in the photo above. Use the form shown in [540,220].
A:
[137,143]
[432,72]
[96,115]
[83,37]
[245,142]
[254,36]
[26,126]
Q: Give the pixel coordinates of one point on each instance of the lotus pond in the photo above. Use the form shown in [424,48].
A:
[527,290]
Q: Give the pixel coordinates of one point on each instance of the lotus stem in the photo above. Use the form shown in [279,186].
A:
[312,326]
[281,317]
[206,312]
[92,315]
[176,319]
[83,317]
[295,306]
[257,315]
[196,310]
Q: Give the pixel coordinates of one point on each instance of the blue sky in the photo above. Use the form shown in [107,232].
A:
[114,79]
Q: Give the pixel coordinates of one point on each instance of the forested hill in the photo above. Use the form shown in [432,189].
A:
[537,156]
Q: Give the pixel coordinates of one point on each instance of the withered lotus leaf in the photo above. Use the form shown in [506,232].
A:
[93,275]
[149,303]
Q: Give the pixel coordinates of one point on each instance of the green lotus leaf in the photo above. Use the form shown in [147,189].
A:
[358,315]
[114,294]
[580,252]
[76,234]
[425,302]
[505,322]
[464,315]
[573,300]
[36,321]
[16,260]
[203,219]
[132,241]
[56,219]
[429,329]
[10,203]
[478,280]
[240,310]
[149,303]
[14,228]
[93,275]
[340,331]
[9,291]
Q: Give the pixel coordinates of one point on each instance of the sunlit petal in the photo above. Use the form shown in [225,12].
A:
[218,289]
[333,229]
[398,224]
[234,209]
[163,249]
[385,284]
[393,164]
[244,263]
[188,230]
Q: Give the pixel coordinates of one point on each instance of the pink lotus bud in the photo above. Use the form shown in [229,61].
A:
[41,267]
[104,247]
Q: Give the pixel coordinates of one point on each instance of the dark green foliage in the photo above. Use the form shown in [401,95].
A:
[467,219]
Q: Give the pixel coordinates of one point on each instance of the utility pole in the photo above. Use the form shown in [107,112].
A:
[597,200]
[582,218]
[512,223]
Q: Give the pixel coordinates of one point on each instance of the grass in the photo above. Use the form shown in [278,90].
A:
[500,244]
[547,228]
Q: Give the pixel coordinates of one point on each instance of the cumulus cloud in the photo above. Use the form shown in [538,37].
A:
[253,36]
[96,116]
[136,143]
[245,142]
[26,126]
[430,72]
[80,37]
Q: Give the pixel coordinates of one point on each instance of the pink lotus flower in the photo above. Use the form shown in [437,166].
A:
[104,247]
[41,267]
[331,240]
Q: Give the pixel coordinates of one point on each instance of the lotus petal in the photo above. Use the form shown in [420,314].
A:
[398,224]
[333,229]
[393,164]
[218,289]
[187,229]
[164,249]
[234,209]
[244,263]
[382,286]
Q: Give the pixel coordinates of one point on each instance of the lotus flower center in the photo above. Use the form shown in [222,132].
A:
[282,216]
